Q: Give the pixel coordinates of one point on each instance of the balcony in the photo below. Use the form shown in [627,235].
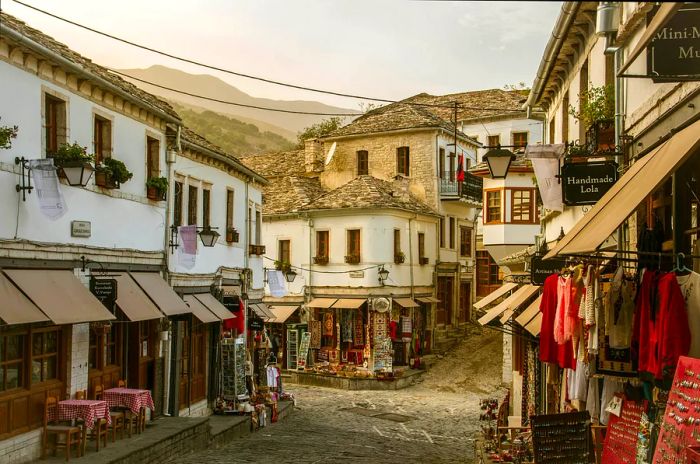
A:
[470,189]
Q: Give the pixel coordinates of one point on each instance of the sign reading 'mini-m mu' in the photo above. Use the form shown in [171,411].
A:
[674,52]
[586,183]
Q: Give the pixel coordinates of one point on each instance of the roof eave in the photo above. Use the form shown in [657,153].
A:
[233,163]
[75,67]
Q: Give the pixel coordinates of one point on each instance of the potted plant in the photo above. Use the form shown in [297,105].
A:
[423,260]
[111,173]
[321,260]
[73,163]
[399,257]
[164,329]
[282,265]
[232,235]
[352,259]
[156,188]
[596,112]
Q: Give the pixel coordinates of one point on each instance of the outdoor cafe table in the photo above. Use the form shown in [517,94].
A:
[131,398]
[88,411]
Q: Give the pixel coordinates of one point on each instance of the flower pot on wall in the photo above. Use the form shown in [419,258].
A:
[103,178]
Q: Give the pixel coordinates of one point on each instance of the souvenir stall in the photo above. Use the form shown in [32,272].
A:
[614,336]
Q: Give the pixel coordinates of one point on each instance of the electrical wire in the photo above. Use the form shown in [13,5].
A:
[248,76]
[376,266]
[279,110]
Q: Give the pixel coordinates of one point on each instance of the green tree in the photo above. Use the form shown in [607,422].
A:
[319,129]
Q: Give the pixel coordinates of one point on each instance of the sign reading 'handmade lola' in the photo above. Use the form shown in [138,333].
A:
[586,183]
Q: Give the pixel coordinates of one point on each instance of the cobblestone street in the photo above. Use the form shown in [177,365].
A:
[423,423]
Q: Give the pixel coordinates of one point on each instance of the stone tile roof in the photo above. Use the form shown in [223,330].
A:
[395,116]
[276,164]
[471,102]
[289,194]
[10,22]
[368,192]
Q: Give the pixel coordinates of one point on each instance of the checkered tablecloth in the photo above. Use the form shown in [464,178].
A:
[87,410]
[131,398]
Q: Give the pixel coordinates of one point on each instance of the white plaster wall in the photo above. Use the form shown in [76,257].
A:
[20,95]
[377,238]
[504,128]
[566,219]
[219,182]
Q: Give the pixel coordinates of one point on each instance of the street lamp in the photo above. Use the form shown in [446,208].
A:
[290,275]
[499,160]
[208,236]
[383,274]
[77,174]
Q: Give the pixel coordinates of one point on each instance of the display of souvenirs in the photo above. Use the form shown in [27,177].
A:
[681,423]
[622,434]
[562,438]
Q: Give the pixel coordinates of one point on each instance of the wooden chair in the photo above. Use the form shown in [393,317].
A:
[117,416]
[99,430]
[70,434]
[137,421]
[121,383]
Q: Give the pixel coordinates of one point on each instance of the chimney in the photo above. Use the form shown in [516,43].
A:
[313,155]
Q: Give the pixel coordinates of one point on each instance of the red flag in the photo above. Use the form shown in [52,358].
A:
[460,168]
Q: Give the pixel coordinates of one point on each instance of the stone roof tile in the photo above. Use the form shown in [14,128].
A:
[10,22]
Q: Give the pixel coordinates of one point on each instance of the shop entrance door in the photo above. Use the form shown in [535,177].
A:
[465,301]
[292,348]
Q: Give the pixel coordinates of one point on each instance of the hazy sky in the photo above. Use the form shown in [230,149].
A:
[382,48]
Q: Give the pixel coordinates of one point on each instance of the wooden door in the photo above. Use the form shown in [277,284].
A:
[465,301]
[198,377]
[105,357]
[184,396]
[444,294]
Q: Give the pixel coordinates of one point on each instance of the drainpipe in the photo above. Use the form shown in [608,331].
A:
[166,345]
[410,250]
[619,111]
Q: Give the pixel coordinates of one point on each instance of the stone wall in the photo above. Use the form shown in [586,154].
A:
[381,150]
[21,448]
[199,409]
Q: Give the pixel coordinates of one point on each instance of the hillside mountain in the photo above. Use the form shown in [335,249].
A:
[213,87]
[236,137]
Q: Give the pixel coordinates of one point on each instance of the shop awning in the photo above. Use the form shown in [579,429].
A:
[133,302]
[161,293]
[282,313]
[428,299]
[15,308]
[524,294]
[322,302]
[59,295]
[641,179]
[535,325]
[349,303]
[493,296]
[665,12]
[261,310]
[406,302]
[199,310]
[509,304]
[530,312]
[219,310]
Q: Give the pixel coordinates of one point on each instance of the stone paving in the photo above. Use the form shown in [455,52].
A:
[435,421]
[412,425]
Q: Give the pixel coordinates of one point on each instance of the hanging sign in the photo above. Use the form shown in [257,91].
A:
[255,323]
[674,52]
[104,290]
[586,183]
[541,269]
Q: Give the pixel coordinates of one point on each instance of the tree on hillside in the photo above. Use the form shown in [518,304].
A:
[319,129]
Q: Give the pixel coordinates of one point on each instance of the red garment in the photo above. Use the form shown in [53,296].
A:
[658,341]
[236,322]
[562,306]
[550,350]
[673,329]
[643,328]
[393,330]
